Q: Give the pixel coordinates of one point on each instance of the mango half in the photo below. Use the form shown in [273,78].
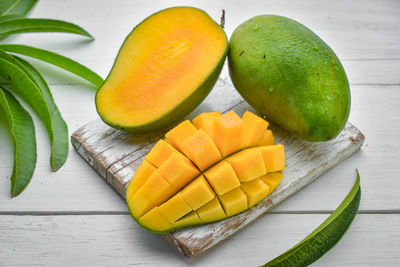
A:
[165,68]
[205,171]
[291,76]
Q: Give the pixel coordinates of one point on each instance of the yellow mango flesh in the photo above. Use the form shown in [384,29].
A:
[177,171]
[201,150]
[206,121]
[255,128]
[248,164]
[228,133]
[155,221]
[274,157]
[198,193]
[211,211]
[234,201]
[162,63]
[188,220]
[175,208]
[222,177]
[160,153]
[193,177]
[256,190]
[139,178]
[178,135]
[267,138]
[272,179]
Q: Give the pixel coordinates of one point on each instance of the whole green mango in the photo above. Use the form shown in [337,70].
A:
[289,75]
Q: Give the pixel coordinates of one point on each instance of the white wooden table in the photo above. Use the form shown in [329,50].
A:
[73,217]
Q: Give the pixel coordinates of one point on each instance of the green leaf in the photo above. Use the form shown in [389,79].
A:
[57,60]
[22,133]
[24,81]
[25,25]
[17,7]
[325,236]
[9,17]
[59,142]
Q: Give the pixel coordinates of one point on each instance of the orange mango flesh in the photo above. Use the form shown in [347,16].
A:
[222,177]
[248,164]
[177,171]
[267,138]
[205,121]
[256,190]
[228,133]
[192,179]
[201,150]
[272,179]
[274,157]
[142,173]
[162,62]
[178,135]
[211,211]
[255,128]
[234,202]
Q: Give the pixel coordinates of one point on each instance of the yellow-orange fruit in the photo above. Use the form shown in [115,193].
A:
[218,167]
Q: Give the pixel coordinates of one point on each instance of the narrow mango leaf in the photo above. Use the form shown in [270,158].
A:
[23,83]
[57,60]
[325,236]
[24,25]
[59,142]
[22,133]
[17,7]
[9,17]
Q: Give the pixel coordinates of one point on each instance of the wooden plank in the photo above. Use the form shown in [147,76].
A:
[114,240]
[305,162]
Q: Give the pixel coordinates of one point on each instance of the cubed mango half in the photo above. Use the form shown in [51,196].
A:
[218,167]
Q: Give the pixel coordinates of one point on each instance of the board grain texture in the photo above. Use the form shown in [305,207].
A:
[116,155]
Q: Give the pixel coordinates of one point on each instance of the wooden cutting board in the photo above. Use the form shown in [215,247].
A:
[115,155]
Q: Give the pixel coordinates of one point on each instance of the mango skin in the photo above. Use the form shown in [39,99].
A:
[288,74]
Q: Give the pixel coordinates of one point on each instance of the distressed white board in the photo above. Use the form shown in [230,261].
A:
[115,155]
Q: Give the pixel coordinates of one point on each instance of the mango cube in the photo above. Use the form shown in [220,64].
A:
[248,164]
[205,172]
[206,121]
[156,189]
[211,212]
[155,221]
[189,219]
[267,139]
[160,153]
[180,133]
[272,179]
[228,133]
[234,201]
[222,177]
[255,190]
[198,193]
[143,172]
[201,150]
[177,171]
[274,157]
[175,208]
[139,204]
[255,128]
